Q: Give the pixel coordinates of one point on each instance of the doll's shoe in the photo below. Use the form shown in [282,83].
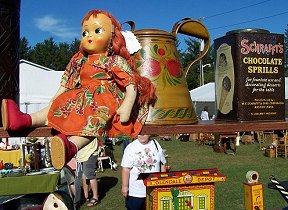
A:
[62,151]
[12,118]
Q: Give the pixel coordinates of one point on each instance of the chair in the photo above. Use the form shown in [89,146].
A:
[228,141]
[102,156]
[282,146]
[260,138]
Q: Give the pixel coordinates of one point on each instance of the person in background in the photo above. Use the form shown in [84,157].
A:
[126,141]
[204,114]
[86,168]
[143,155]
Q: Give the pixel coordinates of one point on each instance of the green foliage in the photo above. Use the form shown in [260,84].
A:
[189,55]
[49,53]
[24,49]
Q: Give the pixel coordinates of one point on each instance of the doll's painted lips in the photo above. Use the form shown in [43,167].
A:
[89,41]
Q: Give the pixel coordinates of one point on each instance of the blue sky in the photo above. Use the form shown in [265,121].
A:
[61,19]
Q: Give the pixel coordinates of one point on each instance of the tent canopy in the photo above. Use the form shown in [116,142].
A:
[204,93]
[38,85]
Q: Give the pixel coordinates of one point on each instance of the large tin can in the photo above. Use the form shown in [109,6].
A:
[249,76]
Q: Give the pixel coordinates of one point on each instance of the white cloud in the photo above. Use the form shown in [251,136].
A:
[56,27]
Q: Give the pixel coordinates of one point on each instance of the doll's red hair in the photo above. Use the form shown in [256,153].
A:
[145,87]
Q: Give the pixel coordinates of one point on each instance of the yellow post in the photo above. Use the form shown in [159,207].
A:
[253,196]
[253,192]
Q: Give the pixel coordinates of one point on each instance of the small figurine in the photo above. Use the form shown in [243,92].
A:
[101,94]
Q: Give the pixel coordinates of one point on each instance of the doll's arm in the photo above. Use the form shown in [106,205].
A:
[59,91]
[126,107]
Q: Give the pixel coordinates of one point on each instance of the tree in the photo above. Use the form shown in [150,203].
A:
[74,46]
[62,56]
[24,49]
[48,53]
[191,53]
[44,53]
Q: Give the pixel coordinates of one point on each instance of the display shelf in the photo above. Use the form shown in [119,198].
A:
[209,126]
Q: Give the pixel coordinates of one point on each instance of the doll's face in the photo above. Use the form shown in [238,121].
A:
[96,34]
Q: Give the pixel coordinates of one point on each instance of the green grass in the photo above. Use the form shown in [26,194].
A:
[229,195]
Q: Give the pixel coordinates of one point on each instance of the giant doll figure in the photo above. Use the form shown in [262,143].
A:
[101,94]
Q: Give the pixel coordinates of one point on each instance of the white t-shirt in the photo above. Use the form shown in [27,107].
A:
[141,159]
[204,115]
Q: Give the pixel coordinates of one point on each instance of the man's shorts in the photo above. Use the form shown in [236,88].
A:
[89,168]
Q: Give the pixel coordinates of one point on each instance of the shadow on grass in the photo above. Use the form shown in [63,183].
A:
[105,184]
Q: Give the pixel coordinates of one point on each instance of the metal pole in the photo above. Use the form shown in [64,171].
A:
[201,48]
[202,70]
[201,73]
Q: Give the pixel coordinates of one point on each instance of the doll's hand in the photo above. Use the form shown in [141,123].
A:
[124,113]
[126,107]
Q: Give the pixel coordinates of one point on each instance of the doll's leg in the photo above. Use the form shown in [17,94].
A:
[39,118]
[14,120]
[63,150]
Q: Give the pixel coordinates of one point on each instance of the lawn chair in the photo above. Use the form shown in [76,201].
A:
[104,157]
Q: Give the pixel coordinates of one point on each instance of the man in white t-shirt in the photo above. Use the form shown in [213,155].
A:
[142,155]
[204,114]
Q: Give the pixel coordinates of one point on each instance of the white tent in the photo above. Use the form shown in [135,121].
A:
[38,85]
[205,93]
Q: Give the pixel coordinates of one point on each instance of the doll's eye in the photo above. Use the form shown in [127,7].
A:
[85,33]
[98,30]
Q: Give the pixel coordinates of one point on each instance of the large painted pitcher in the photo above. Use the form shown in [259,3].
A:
[159,61]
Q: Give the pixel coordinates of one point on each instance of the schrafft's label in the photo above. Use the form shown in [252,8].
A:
[254,65]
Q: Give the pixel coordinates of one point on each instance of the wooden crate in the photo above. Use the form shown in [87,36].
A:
[270,152]
[194,137]
[270,137]
[247,139]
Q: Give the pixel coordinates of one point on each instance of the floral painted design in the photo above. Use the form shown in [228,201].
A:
[160,62]
[145,160]
[96,98]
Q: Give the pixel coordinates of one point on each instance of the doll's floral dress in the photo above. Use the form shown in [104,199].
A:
[96,88]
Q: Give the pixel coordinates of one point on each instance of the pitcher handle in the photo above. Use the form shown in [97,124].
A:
[194,28]
[131,24]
